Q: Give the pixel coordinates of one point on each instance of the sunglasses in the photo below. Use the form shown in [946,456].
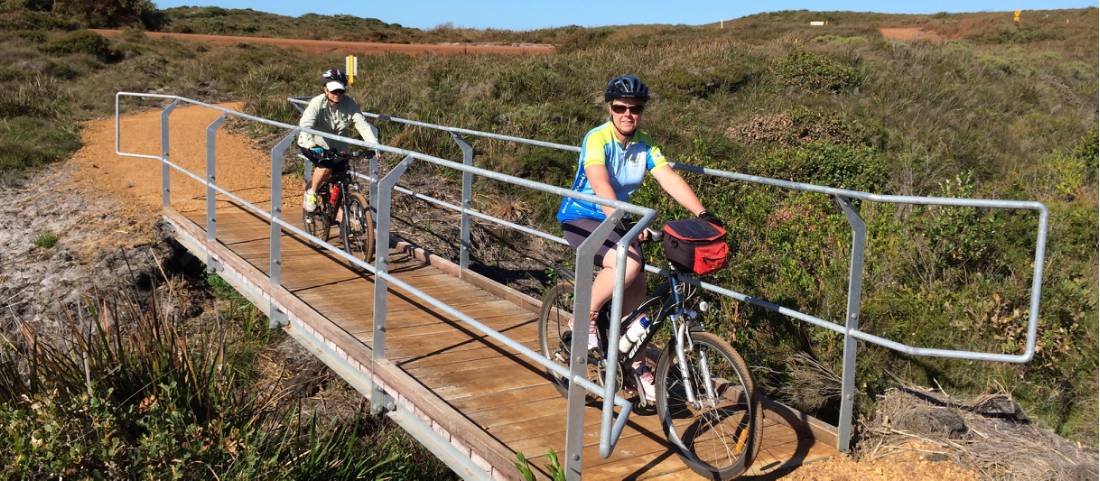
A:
[336,92]
[622,109]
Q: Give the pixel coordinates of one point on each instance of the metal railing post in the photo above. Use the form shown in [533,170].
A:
[211,170]
[381,268]
[467,201]
[165,178]
[608,441]
[276,317]
[578,361]
[851,324]
[372,192]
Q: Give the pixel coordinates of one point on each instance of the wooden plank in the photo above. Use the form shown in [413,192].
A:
[504,400]
[429,349]
[498,455]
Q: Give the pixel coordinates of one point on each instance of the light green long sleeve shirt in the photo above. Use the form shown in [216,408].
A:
[337,119]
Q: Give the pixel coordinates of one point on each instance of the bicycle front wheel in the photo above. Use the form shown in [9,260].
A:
[357,230]
[709,407]
[318,223]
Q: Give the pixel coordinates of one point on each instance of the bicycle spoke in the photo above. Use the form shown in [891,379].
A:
[714,432]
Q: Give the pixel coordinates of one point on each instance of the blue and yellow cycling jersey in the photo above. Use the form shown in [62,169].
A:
[626,168]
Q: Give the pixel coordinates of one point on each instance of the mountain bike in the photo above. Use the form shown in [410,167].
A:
[343,204]
[705,396]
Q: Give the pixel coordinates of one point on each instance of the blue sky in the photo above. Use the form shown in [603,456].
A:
[531,14]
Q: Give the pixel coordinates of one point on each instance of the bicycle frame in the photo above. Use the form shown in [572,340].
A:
[672,309]
[347,181]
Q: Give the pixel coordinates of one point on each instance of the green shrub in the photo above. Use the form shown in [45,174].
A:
[817,73]
[823,163]
[582,38]
[25,19]
[45,240]
[33,36]
[82,41]
[857,41]
[30,142]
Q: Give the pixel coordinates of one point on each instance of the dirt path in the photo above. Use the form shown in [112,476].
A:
[354,47]
[909,34]
[242,167]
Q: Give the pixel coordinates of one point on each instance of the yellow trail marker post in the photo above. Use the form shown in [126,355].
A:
[351,66]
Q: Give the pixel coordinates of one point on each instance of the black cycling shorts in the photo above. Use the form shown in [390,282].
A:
[320,160]
[577,230]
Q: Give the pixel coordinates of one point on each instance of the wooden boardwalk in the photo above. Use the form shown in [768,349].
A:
[485,399]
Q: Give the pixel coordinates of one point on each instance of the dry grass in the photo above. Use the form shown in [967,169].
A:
[997,439]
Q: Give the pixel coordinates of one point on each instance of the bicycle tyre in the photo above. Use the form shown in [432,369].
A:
[357,229]
[318,223]
[687,426]
[555,335]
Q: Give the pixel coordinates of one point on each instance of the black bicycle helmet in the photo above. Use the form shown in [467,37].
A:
[334,75]
[626,86]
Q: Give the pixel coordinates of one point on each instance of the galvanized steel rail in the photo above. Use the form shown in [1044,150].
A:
[842,197]
[609,432]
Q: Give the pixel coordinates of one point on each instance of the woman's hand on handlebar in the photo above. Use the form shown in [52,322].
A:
[651,235]
[710,217]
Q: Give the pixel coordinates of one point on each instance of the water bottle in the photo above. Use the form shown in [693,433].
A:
[334,194]
[633,333]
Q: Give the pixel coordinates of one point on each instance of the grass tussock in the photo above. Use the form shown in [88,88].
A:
[134,391]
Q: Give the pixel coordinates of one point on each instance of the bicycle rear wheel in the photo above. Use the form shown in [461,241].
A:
[556,334]
[357,231]
[719,433]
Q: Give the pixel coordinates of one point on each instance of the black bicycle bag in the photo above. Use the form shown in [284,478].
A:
[695,245]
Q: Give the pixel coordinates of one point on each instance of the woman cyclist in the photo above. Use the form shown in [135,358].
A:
[614,159]
[335,112]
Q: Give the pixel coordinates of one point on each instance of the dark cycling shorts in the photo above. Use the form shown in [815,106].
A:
[320,160]
[577,230]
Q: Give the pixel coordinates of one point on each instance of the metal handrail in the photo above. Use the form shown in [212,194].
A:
[850,329]
[609,434]
[300,101]
[1041,234]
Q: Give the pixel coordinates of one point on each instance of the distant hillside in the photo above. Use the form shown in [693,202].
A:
[986,27]
[248,22]
[222,21]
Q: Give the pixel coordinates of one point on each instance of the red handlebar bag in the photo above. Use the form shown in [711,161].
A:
[695,245]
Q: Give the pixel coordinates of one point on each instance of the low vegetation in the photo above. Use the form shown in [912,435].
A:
[45,240]
[139,391]
[990,110]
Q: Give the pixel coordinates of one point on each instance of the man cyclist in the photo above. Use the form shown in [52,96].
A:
[335,112]
[613,161]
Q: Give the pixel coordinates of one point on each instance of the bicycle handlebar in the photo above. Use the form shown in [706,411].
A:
[331,154]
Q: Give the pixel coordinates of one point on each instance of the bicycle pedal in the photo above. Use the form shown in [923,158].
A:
[595,356]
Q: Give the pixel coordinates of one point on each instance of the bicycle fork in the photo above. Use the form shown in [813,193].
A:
[683,344]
